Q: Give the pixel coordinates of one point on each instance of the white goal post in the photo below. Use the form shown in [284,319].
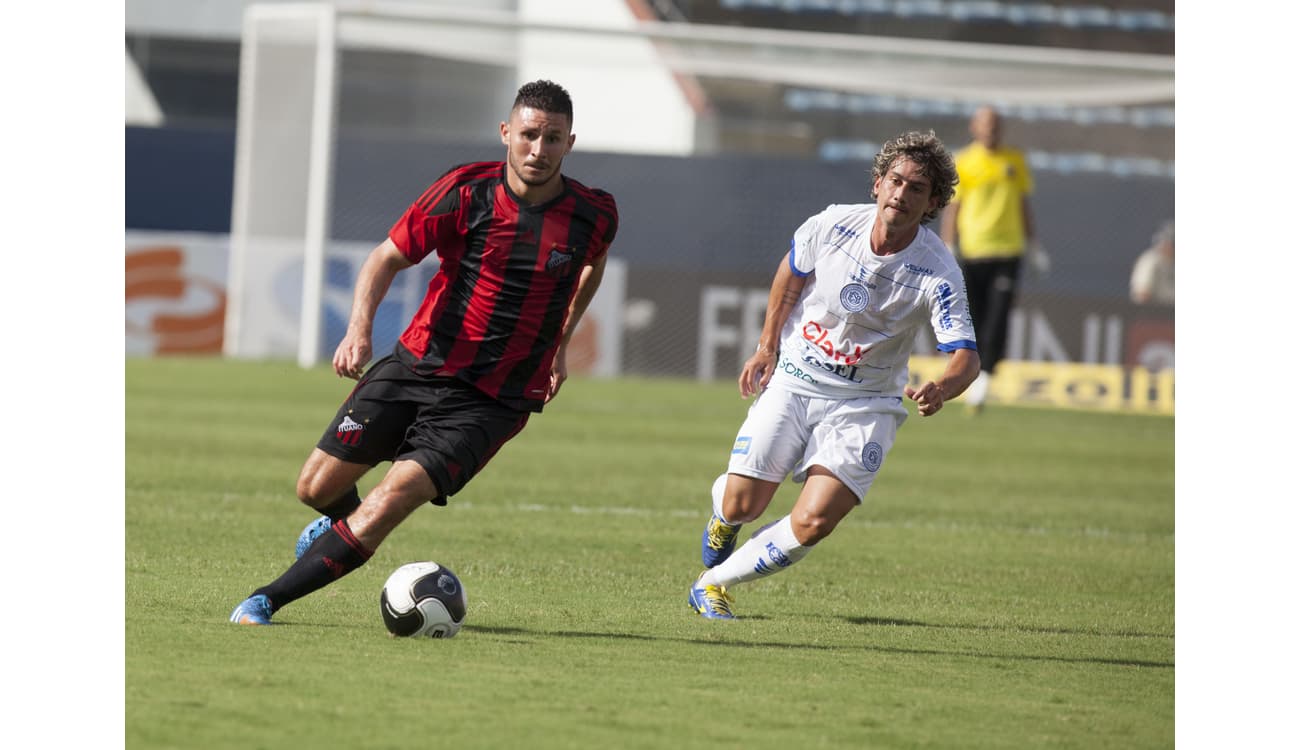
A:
[281,204]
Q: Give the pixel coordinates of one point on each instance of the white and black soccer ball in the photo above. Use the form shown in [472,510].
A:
[423,599]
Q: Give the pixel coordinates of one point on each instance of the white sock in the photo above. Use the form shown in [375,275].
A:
[978,390]
[771,549]
[719,489]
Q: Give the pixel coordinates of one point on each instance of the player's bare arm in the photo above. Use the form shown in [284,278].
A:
[962,369]
[376,275]
[948,227]
[781,299]
[588,283]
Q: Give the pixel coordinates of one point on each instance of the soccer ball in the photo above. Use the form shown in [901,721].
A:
[423,599]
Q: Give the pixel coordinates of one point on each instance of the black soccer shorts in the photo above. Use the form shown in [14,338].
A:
[446,425]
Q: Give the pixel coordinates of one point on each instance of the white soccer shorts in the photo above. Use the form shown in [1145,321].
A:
[787,433]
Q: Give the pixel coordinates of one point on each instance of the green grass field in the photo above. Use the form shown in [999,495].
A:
[1009,583]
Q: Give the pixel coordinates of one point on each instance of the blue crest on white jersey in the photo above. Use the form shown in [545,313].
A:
[872,455]
[854,297]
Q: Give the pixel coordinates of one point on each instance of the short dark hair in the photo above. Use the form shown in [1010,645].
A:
[927,152]
[545,96]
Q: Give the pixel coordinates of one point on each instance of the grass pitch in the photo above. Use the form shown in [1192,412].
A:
[1009,583]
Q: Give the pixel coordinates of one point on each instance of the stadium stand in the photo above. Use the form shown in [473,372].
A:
[835,125]
[1145,26]
[195,81]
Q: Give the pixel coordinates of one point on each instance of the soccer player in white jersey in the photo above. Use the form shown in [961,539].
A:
[830,371]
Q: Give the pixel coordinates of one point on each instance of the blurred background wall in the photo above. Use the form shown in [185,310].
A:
[718,125]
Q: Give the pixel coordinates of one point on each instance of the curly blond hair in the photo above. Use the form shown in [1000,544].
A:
[927,152]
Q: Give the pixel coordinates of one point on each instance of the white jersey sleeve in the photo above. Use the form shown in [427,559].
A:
[806,244]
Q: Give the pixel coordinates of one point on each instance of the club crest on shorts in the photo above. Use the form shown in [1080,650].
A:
[349,431]
[872,455]
[854,297]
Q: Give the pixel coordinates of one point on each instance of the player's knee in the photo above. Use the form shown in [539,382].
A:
[318,491]
[309,492]
[745,499]
[314,489]
[741,508]
[811,528]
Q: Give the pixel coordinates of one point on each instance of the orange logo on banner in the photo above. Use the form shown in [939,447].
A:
[157,273]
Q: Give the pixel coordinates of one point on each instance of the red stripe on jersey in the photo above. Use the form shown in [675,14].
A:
[541,291]
[450,247]
[476,321]
[454,178]
[416,338]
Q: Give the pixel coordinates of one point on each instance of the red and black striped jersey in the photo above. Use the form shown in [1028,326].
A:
[496,308]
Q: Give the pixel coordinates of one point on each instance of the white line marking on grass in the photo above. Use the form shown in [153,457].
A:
[956,528]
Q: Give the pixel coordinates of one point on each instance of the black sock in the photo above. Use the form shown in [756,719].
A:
[343,507]
[335,554]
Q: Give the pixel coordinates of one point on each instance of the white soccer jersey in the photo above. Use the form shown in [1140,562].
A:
[854,326]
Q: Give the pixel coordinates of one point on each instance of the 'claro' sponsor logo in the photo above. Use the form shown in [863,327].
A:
[817,334]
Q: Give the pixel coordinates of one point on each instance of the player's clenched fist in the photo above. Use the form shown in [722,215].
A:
[928,398]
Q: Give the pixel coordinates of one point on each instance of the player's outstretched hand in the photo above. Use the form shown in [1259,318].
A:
[928,398]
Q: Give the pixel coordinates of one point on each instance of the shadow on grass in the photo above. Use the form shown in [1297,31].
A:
[513,631]
[898,622]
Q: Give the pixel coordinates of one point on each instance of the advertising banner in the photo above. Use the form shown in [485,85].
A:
[175,292]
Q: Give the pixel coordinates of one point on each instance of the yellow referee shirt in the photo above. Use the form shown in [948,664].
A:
[991,187]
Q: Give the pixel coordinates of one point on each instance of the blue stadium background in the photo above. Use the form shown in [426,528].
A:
[1104,175]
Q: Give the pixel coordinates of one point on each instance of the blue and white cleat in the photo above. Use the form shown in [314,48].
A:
[314,531]
[718,541]
[255,610]
[711,601]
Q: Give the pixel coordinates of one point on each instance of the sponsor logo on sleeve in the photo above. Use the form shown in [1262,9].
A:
[945,295]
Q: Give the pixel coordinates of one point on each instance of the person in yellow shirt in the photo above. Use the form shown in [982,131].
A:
[990,228]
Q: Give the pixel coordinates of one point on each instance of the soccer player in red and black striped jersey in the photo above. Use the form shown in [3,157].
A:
[521,250]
